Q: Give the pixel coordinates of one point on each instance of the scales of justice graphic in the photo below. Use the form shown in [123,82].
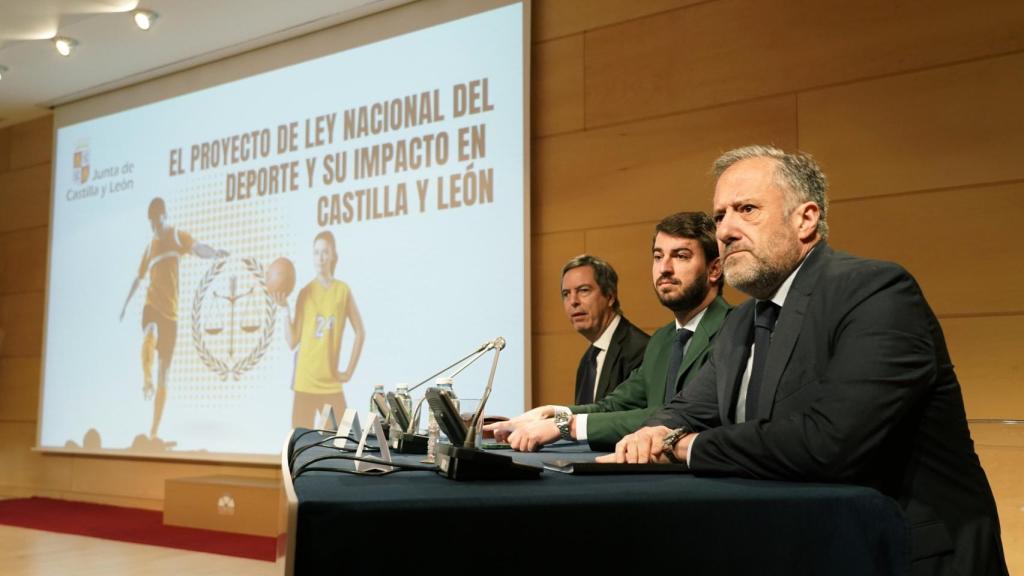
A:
[249,311]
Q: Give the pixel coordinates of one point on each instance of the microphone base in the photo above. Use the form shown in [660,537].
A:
[468,464]
[405,443]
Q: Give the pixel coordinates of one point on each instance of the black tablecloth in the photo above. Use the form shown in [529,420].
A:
[635,521]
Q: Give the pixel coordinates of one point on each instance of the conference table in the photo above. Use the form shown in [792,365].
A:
[412,520]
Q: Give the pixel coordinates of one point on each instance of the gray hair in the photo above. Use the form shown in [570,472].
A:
[798,174]
[605,276]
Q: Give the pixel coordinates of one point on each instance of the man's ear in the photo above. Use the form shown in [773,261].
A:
[808,213]
[715,271]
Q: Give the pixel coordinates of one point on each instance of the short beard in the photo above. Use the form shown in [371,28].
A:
[762,278]
[692,296]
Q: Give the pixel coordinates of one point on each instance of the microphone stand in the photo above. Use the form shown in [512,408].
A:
[467,462]
[408,441]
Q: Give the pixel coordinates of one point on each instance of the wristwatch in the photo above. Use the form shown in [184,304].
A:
[563,420]
[668,445]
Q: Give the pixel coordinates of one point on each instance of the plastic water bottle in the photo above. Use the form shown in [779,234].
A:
[373,406]
[402,394]
[433,435]
[445,386]
[433,429]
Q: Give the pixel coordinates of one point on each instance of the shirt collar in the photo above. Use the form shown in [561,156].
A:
[606,337]
[693,322]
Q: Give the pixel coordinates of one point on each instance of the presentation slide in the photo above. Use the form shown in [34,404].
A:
[226,262]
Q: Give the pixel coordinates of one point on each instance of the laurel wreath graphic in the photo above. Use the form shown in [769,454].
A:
[245,364]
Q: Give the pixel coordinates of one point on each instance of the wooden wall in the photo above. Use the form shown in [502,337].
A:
[912,108]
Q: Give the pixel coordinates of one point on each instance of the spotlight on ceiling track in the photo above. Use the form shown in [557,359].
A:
[3,70]
[144,18]
[64,45]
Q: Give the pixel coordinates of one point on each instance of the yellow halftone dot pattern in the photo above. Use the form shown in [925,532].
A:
[230,323]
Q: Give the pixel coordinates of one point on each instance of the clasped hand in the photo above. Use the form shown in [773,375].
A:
[527,432]
[644,446]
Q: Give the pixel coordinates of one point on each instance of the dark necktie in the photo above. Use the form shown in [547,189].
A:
[765,315]
[589,375]
[675,360]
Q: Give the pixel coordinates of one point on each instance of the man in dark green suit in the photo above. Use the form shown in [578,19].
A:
[687,279]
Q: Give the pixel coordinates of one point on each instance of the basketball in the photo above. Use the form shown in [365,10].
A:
[281,276]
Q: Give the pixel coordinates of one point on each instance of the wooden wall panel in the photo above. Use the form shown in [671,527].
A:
[5,151]
[25,198]
[31,142]
[23,260]
[1003,465]
[986,352]
[733,50]
[557,85]
[19,389]
[550,253]
[642,171]
[955,242]
[628,248]
[555,18]
[144,479]
[21,319]
[998,435]
[23,467]
[1001,449]
[931,129]
[555,359]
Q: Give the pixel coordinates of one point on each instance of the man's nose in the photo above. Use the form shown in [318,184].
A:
[726,231]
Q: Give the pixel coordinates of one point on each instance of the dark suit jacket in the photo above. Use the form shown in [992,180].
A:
[625,352]
[625,410]
[858,388]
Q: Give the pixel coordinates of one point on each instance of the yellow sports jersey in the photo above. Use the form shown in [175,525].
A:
[161,262]
[322,313]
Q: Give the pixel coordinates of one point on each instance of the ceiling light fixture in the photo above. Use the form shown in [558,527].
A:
[144,18]
[65,45]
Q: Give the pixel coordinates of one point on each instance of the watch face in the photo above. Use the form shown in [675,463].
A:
[562,422]
[669,441]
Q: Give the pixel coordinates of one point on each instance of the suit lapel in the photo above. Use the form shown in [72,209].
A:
[787,328]
[662,345]
[702,335]
[611,357]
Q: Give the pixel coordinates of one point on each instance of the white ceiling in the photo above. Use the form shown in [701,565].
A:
[112,52]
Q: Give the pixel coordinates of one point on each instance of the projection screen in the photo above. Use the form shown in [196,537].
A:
[379,167]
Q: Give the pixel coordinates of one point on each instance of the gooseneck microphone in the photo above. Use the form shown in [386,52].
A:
[404,439]
[469,359]
[477,422]
[466,461]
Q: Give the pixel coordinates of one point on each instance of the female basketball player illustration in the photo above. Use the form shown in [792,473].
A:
[322,308]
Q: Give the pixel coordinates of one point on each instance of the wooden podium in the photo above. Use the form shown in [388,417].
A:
[240,504]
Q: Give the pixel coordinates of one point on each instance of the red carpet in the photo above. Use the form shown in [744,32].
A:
[129,525]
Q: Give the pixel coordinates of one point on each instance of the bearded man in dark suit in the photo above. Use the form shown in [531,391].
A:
[835,371]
